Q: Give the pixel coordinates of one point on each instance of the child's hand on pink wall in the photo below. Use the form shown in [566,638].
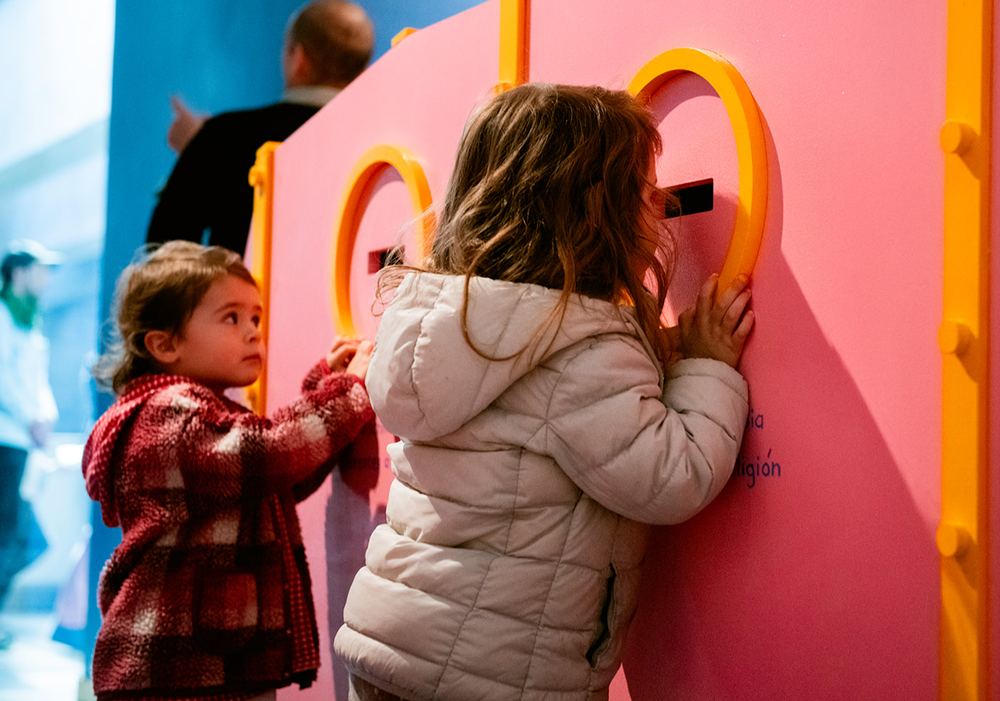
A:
[341,353]
[359,363]
[717,327]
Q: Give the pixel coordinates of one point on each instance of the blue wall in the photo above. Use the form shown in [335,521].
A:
[391,16]
[218,55]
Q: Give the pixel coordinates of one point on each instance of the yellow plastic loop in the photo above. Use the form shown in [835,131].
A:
[751,147]
[364,174]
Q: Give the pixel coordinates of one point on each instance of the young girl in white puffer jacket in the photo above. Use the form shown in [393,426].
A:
[542,411]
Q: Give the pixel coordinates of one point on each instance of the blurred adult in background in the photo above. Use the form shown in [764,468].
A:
[327,45]
[27,407]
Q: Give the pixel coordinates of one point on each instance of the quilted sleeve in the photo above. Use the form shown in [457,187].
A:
[651,456]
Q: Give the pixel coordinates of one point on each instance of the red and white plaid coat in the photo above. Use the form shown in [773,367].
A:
[209,591]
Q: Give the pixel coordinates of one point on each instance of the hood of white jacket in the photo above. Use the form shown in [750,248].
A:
[426,380]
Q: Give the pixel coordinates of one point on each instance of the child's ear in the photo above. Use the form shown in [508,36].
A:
[162,345]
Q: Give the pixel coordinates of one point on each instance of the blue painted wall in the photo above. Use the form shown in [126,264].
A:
[391,16]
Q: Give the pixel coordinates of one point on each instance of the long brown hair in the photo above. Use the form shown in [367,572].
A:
[548,189]
[159,292]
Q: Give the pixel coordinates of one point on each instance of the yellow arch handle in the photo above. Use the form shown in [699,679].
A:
[364,174]
[751,148]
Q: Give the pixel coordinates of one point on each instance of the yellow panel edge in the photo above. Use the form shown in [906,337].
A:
[963,534]
[261,177]
[514,43]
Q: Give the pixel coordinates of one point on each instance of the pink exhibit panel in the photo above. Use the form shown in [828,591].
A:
[815,574]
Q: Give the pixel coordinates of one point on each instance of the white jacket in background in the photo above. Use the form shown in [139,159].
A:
[25,394]
[509,565]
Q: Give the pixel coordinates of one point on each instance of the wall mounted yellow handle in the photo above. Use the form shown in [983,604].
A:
[751,147]
[363,175]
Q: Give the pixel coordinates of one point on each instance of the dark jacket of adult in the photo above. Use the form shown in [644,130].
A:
[209,186]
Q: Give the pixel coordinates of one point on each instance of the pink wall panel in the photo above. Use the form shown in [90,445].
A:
[817,578]
[814,575]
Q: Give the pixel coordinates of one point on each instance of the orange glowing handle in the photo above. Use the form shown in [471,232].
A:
[751,147]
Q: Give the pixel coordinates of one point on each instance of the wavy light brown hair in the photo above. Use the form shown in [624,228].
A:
[159,292]
[548,189]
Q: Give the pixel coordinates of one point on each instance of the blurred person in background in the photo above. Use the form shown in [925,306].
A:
[327,45]
[27,407]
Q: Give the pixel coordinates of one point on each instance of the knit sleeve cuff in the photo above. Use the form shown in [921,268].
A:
[315,376]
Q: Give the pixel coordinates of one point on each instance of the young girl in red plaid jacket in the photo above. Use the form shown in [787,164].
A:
[208,596]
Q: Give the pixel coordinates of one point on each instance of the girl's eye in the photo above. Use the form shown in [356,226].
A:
[256,321]
[231,316]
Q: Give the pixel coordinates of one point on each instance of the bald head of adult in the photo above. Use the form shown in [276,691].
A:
[328,42]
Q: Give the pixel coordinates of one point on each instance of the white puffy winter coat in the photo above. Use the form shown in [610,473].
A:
[509,565]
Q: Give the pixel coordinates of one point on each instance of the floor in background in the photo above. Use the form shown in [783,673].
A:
[35,667]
